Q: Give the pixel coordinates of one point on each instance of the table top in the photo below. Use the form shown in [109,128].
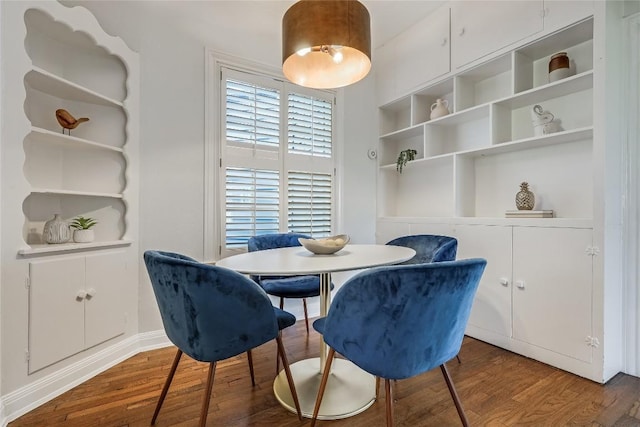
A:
[299,261]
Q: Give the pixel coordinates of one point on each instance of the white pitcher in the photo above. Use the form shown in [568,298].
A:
[439,108]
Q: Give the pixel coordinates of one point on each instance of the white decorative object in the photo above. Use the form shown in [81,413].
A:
[326,246]
[56,230]
[83,236]
[439,108]
[543,121]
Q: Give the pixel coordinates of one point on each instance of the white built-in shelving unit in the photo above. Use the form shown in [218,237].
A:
[542,293]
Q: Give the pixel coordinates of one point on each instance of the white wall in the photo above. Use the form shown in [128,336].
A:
[172,128]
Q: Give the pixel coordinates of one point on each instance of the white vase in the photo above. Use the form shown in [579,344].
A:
[83,236]
[439,108]
[56,230]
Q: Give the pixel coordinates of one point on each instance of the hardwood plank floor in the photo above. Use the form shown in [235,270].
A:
[496,387]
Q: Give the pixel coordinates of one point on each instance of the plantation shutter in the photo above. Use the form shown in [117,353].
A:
[309,125]
[309,203]
[252,204]
[276,159]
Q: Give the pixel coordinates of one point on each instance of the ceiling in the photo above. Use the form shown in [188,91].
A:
[264,17]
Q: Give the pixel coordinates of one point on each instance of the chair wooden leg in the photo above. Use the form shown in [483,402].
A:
[377,387]
[250,359]
[207,395]
[458,357]
[306,316]
[287,371]
[167,383]
[454,395]
[323,385]
[389,396]
[279,334]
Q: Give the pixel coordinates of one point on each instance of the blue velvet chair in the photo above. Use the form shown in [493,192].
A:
[400,321]
[428,247]
[212,313]
[285,286]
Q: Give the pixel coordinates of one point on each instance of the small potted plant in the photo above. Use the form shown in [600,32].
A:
[404,157]
[83,232]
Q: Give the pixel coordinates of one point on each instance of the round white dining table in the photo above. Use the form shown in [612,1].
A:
[349,390]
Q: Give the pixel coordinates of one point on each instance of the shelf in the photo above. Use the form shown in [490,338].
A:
[499,221]
[460,117]
[51,84]
[75,193]
[571,36]
[406,133]
[573,84]
[533,142]
[71,247]
[417,162]
[45,136]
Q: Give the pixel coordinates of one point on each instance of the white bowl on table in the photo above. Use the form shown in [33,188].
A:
[326,245]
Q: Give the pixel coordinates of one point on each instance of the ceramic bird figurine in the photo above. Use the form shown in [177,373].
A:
[67,121]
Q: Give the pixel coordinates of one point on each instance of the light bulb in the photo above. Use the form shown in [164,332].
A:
[337,56]
[303,51]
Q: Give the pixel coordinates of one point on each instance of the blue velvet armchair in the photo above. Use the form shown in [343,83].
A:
[212,313]
[400,321]
[290,286]
[428,247]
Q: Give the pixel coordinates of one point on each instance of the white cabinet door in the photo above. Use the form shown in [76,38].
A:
[552,293]
[104,311]
[560,13]
[56,311]
[491,310]
[414,57]
[479,28]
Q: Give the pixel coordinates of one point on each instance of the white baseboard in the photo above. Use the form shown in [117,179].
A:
[29,397]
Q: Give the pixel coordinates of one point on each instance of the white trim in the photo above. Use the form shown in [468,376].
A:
[29,397]
[631,273]
[214,61]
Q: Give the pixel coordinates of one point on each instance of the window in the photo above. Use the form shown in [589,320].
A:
[277,159]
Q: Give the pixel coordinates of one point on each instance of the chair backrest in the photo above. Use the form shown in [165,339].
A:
[210,313]
[273,241]
[428,247]
[398,321]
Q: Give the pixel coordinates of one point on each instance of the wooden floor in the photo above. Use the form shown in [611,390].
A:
[496,387]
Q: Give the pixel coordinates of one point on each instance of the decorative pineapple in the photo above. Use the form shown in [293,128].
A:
[525,200]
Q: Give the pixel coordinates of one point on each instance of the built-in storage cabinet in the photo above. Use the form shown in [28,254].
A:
[74,305]
[82,171]
[470,163]
[423,50]
[536,296]
[546,303]
[480,28]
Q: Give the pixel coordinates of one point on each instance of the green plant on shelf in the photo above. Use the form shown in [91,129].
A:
[82,223]
[404,157]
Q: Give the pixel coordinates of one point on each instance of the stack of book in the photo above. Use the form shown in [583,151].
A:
[529,214]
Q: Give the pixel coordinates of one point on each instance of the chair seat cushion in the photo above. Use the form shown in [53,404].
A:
[318,325]
[293,287]
[284,318]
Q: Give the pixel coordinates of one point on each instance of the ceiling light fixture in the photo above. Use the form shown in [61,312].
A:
[326,44]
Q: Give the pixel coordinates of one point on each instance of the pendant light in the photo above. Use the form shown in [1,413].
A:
[325,43]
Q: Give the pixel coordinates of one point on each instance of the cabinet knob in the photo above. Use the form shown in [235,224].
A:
[520,284]
[91,293]
[444,42]
[81,295]
[504,281]
[461,32]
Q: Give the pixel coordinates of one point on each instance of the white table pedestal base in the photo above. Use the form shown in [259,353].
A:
[349,391]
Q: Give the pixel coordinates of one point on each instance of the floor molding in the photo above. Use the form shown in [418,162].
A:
[29,397]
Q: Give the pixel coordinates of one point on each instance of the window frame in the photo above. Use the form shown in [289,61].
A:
[214,186]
